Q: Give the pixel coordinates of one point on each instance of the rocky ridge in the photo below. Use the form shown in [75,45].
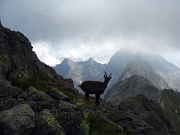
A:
[80,71]
[131,87]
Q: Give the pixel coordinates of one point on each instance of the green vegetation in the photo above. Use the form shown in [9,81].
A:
[84,125]
[172,108]
[37,81]
[51,121]
[99,127]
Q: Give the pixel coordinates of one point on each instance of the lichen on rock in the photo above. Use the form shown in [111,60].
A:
[18,120]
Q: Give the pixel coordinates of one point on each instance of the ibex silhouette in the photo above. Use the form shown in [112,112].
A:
[95,87]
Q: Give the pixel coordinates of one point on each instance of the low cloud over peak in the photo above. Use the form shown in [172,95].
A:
[95,28]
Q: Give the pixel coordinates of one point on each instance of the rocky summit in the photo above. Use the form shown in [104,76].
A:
[35,100]
[80,71]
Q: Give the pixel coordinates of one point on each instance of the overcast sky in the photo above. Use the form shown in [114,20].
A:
[80,29]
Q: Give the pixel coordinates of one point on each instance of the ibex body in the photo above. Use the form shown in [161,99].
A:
[95,87]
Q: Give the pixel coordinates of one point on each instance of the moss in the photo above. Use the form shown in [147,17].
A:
[32,91]
[5,56]
[38,81]
[59,92]
[51,121]
[99,127]
[45,97]
[84,125]
[79,103]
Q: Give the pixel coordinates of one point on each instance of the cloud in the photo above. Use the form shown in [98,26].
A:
[45,54]
[82,28]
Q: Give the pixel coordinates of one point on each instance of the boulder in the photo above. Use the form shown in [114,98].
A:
[57,94]
[139,115]
[18,120]
[46,124]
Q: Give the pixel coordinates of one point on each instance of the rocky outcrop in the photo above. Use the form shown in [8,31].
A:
[34,112]
[17,60]
[18,120]
[142,117]
[131,87]
[46,124]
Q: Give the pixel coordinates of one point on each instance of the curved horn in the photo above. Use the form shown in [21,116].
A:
[110,75]
[105,74]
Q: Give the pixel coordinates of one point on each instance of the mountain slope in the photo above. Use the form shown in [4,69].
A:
[17,60]
[136,67]
[131,87]
[140,67]
[80,71]
[118,62]
[141,113]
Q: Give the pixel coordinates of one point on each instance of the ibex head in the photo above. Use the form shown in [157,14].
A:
[107,78]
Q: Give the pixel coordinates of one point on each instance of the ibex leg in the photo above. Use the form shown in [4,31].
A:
[97,99]
[87,96]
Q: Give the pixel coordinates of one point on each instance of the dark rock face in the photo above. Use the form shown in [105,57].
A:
[46,123]
[38,113]
[141,116]
[18,120]
[17,60]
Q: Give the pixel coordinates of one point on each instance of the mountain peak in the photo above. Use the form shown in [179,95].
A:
[140,67]
[90,60]
[138,58]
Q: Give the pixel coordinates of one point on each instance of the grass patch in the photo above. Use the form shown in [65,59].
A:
[40,81]
[37,81]
[99,127]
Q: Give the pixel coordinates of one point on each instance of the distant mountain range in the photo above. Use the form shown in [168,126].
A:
[80,71]
[124,63]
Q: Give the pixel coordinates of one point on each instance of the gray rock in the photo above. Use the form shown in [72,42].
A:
[18,120]
[6,89]
[38,95]
[46,124]
[57,94]
[141,116]
[22,96]
[39,105]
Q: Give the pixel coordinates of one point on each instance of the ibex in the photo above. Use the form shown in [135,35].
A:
[95,87]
